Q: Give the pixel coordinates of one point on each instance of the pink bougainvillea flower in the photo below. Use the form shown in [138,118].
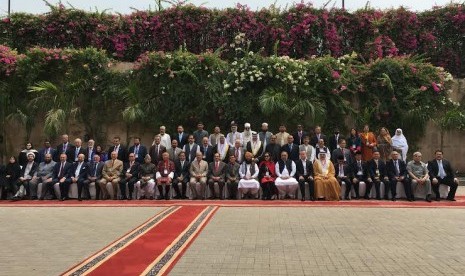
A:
[423,88]
[336,75]
[435,87]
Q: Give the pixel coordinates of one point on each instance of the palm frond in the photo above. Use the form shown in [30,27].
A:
[54,121]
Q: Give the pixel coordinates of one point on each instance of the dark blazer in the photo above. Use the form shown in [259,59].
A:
[140,154]
[208,156]
[222,169]
[61,150]
[381,168]
[156,155]
[190,151]
[300,168]
[391,169]
[42,153]
[274,150]
[71,153]
[184,171]
[293,154]
[333,142]
[90,154]
[299,140]
[122,153]
[33,170]
[83,173]
[314,139]
[66,172]
[354,169]
[433,169]
[182,141]
[337,152]
[99,169]
[347,170]
[134,170]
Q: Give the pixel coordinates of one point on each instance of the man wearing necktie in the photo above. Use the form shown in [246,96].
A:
[79,173]
[139,150]
[397,173]
[377,172]
[111,176]
[90,151]
[291,149]
[360,176]
[343,175]
[206,150]
[181,175]
[216,174]
[95,175]
[61,175]
[156,150]
[129,178]
[441,172]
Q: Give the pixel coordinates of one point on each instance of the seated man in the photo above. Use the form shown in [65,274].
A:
[198,172]
[419,176]
[146,184]
[61,175]
[326,186]
[343,175]
[79,173]
[397,172]
[441,172]
[232,177]
[44,175]
[285,181]
[27,174]
[181,175]
[359,171]
[216,174]
[377,171]
[111,176]
[130,176]
[95,174]
[304,173]
[248,171]
[164,176]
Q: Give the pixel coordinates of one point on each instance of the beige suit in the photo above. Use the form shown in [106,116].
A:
[110,178]
[197,186]
[281,138]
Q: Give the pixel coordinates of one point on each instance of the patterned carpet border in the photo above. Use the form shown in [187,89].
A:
[100,256]
[175,250]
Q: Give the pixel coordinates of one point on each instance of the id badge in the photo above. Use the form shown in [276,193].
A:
[368,143]
[354,146]
[360,173]
[377,172]
[128,170]
[165,171]
[267,174]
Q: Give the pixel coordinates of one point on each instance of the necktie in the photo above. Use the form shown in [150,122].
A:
[64,147]
[237,153]
[95,170]
[341,170]
[158,150]
[60,173]
[182,164]
[216,166]
[442,173]
[117,148]
[397,167]
[136,150]
[359,166]
[290,147]
[77,153]
[305,167]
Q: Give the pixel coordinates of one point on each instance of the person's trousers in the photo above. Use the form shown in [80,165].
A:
[232,189]
[109,189]
[211,185]
[130,183]
[449,181]
[183,183]
[407,188]
[311,186]
[198,187]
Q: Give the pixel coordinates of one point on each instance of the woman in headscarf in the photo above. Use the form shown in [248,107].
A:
[354,142]
[12,173]
[384,144]
[267,177]
[399,144]
[326,185]
[22,158]
[103,155]
[248,171]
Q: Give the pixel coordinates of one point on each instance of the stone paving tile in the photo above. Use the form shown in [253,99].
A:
[328,241]
[49,240]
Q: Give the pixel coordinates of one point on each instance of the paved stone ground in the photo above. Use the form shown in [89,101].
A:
[50,240]
[328,241]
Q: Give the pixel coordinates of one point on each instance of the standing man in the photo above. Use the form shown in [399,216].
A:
[46,150]
[274,149]
[222,148]
[233,135]
[78,149]
[174,151]
[140,151]
[255,146]
[441,172]
[157,150]
[237,151]
[111,176]
[181,136]
[418,173]
[317,137]
[215,136]
[342,151]
[130,176]
[246,134]
[299,135]
[281,136]
[65,147]
[200,133]
[291,148]
[264,135]
[121,151]
[191,149]
[206,150]
[90,151]
[165,139]
[334,140]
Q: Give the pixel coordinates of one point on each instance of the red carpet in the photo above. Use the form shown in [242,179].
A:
[138,255]
[460,203]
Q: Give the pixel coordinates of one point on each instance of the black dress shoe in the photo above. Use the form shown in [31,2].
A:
[366,197]
[177,197]
[437,199]
[394,199]
[451,199]
[428,198]
[303,199]
[378,198]
[129,197]
[160,197]
[346,198]
[80,199]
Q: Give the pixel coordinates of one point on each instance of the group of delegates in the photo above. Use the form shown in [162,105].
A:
[238,165]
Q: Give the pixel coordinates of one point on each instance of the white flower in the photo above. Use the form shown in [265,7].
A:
[251,78]
[226,86]
[306,83]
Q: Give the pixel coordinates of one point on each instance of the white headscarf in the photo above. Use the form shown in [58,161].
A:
[400,142]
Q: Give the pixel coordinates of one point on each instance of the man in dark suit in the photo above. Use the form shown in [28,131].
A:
[156,151]
[95,174]
[441,172]
[397,172]
[90,151]
[27,173]
[181,137]
[130,176]
[216,174]
[61,174]
[274,149]
[317,136]
[181,176]
[343,175]
[334,140]
[140,151]
[291,149]
[206,150]
[378,174]
[73,153]
[65,147]
[359,171]
[304,173]
[343,151]
[299,135]
[46,150]
[122,153]
[78,174]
